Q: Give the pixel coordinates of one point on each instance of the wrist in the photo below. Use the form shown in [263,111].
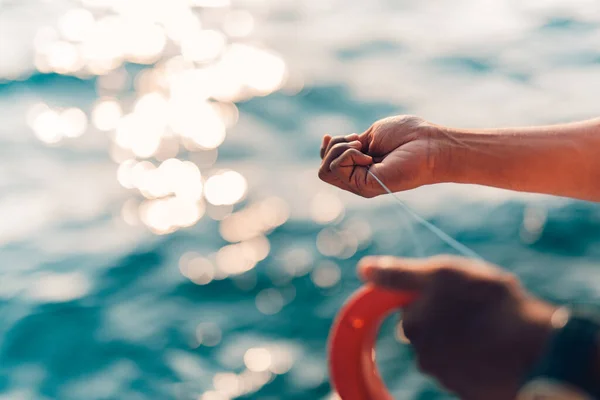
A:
[464,156]
[570,358]
[541,320]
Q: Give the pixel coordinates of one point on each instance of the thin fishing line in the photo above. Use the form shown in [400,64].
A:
[418,247]
[461,248]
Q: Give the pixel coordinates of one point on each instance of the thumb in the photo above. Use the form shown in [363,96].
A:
[396,273]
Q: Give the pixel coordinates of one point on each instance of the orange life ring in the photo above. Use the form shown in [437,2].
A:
[352,339]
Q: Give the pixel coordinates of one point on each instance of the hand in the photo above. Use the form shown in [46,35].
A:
[473,327]
[401,151]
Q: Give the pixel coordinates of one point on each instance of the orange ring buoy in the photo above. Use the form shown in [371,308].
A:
[352,339]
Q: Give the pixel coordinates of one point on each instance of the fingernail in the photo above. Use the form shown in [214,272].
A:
[356,143]
[351,136]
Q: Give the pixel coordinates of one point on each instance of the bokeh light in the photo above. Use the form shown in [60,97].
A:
[106,114]
[227,383]
[203,45]
[326,208]
[282,358]
[296,261]
[233,260]
[47,126]
[53,125]
[199,270]
[238,23]
[256,219]
[208,334]
[74,122]
[228,187]
[75,24]
[257,359]
[534,220]
[327,274]
[184,99]
[269,301]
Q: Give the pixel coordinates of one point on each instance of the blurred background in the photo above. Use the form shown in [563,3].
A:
[163,232]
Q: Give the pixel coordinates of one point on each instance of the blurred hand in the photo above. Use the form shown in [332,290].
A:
[473,326]
[401,151]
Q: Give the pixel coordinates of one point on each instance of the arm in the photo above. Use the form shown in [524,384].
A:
[406,152]
[562,160]
[475,328]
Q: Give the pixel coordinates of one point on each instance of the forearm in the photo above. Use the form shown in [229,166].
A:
[562,160]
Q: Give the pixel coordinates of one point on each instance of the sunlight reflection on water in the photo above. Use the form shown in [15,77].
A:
[185,99]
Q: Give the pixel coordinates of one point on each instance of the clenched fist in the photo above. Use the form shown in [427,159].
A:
[401,151]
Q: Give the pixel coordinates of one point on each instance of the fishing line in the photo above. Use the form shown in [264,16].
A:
[419,249]
[461,248]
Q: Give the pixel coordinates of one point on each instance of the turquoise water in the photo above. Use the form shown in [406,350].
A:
[94,305]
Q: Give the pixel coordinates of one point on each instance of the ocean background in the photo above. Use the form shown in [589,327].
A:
[163,232]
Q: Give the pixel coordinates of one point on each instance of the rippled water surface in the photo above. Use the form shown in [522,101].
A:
[164,234]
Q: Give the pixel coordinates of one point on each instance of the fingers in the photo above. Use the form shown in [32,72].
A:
[337,140]
[335,151]
[351,157]
[324,144]
[350,167]
[341,156]
[413,274]
[439,273]
[396,273]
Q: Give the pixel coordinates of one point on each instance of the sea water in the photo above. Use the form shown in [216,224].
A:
[108,293]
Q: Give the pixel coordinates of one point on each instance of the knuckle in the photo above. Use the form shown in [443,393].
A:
[339,146]
[347,155]
[411,122]
[333,141]
[352,152]
[411,119]
[411,125]
[335,166]
[331,144]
